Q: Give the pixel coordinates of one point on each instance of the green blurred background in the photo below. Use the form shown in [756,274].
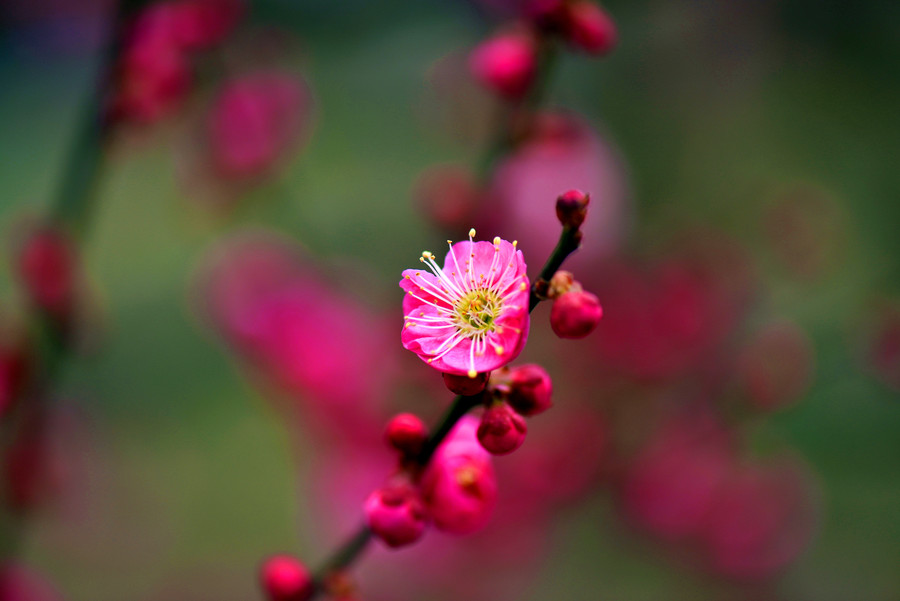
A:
[715,107]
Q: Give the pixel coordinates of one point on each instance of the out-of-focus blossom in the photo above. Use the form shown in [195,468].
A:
[506,64]
[805,229]
[760,520]
[561,153]
[14,367]
[47,266]
[255,120]
[470,316]
[448,196]
[459,486]
[671,484]
[666,320]
[253,126]
[19,582]
[153,70]
[882,344]
[285,578]
[588,27]
[153,76]
[299,332]
[775,367]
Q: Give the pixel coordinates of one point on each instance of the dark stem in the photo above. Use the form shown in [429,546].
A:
[569,241]
[515,120]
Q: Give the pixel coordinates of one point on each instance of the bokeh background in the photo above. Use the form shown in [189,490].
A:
[771,125]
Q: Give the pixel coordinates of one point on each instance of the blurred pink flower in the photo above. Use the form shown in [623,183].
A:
[760,520]
[459,485]
[671,484]
[505,63]
[663,321]
[19,582]
[471,315]
[775,368]
[299,332]
[255,120]
[562,152]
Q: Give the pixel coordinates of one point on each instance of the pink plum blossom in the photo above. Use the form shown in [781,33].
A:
[470,316]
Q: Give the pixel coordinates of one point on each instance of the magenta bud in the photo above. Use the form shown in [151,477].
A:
[47,269]
[571,208]
[285,578]
[530,389]
[406,433]
[575,314]
[505,64]
[465,385]
[396,514]
[501,430]
[589,28]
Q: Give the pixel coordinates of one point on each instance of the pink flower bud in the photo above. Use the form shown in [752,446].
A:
[47,269]
[575,314]
[505,64]
[571,208]
[530,389]
[465,385]
[153,76]
[588,27]
[502,430]
[459,486]
[396,514]
[406,433]
[284,578]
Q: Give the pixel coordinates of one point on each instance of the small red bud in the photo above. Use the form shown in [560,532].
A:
[588,27]
[406,433]
[47,269]
[284,578]
[465,385]
[396,514]
[571,208]
[505,64]
[575,314]
[530,389]
[501,430]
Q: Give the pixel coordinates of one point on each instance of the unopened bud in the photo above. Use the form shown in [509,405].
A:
[589,28]
[285,578]
[47,269]
[406,433]
[396,514]
[501,430]
[575,314]
[530,389]
[571,208]
[505,64]
[465,385]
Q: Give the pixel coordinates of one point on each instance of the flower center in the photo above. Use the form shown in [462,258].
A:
[477,311]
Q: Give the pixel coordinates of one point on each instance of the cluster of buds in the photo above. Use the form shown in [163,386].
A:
[153,72]
[508,62]
[513,394]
